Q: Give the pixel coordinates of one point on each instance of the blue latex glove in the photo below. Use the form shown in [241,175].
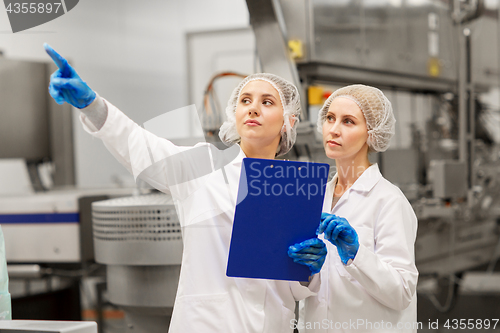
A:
[311,252]
[66,85]
[340,233]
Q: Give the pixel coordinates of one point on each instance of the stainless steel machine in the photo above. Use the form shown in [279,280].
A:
[139,240]
[33,127]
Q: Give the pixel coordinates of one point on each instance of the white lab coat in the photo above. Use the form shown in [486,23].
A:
[5,303]
[376,292]
[207,300]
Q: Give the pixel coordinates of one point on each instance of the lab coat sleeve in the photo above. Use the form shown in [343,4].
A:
[389,273]
[95,113]
[301,292]
[146,155]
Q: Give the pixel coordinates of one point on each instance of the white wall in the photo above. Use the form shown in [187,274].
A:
[130,52]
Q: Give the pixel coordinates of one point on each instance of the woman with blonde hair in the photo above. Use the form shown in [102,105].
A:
[369,277]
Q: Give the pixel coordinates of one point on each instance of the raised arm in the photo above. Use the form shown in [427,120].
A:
[155,160]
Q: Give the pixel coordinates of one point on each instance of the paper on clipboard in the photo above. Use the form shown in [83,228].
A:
[279,204]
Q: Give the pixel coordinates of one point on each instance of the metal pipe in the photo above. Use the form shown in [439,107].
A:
[462,97]
[24,271]
[268,24]
[471,132]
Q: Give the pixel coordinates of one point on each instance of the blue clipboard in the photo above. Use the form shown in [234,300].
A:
[279,204]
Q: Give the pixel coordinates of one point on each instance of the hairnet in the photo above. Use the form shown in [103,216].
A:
[290,99]
[376,108]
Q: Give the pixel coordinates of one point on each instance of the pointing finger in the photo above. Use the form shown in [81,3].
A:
[56,57]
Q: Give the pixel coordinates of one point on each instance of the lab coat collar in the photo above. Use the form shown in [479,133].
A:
[366,181]
[239,159]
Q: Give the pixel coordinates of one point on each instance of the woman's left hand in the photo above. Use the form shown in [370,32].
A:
[341,234]
[311,252]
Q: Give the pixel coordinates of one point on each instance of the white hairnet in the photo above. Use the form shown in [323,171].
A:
[290,100]
[376,108]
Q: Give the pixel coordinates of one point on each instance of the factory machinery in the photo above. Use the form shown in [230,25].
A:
[139,240]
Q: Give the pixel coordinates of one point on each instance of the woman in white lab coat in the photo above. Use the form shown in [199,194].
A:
[369,278]
[262,116]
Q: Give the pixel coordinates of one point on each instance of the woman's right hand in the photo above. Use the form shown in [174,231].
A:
[341,234]
[66,85]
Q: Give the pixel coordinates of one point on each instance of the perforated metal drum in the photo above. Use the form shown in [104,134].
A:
[139,239]
[139,230]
